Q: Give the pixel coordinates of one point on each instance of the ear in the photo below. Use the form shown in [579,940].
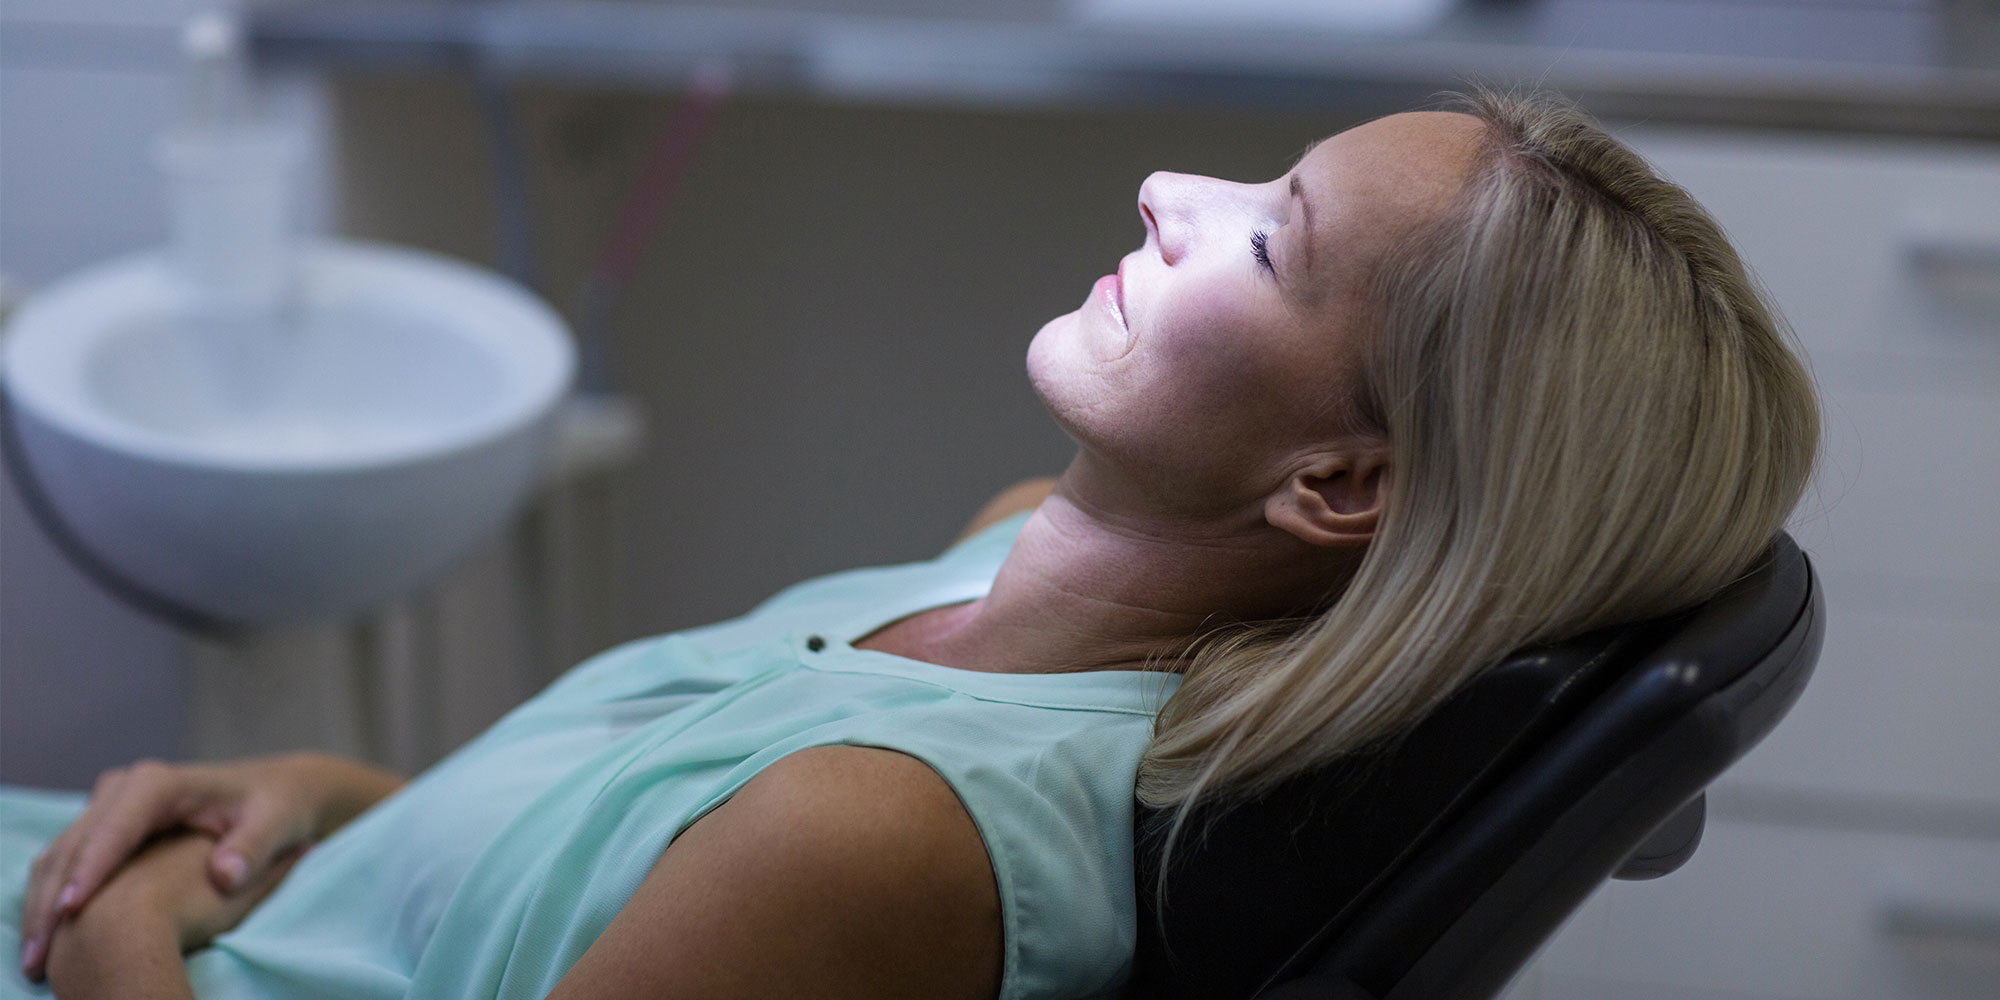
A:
[1334,499]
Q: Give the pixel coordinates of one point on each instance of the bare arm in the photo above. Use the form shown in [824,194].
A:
[131,957]
[838,872]
[257,809]
[1024,495]
[128,941]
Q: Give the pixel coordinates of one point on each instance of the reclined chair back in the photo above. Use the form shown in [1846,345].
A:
[1433,867]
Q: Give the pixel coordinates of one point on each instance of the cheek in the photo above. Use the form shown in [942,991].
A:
[1215,357]
[1210,389]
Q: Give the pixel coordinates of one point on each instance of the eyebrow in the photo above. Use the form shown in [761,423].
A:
[1299,192]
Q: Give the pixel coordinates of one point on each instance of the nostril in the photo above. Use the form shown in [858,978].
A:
[1157,186]
[1154,238]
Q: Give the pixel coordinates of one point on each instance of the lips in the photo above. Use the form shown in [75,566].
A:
[1110,292]
[1116,296]
[1111,288]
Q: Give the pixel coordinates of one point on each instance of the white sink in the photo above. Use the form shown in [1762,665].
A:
[261,475]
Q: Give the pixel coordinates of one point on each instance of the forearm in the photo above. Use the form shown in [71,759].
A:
[127,941]
[127,953]
[351,787]
[256,815]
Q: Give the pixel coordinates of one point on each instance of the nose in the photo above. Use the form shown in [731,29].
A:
[1179,209]
[1165,203]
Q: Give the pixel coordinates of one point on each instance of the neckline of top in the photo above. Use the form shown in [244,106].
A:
[1140,691]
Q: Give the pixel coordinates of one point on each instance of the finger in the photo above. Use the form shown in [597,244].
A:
[55,889]
[38,907]
[150,798]
[211,922]
[269,826]
[48,887]
[52,868]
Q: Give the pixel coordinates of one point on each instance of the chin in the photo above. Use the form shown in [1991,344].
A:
[1045,352]
[1056,370]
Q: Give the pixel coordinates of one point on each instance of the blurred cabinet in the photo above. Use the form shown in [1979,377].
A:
[1765,911]
[1856,853]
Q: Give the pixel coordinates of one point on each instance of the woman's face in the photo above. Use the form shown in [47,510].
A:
[1217,356]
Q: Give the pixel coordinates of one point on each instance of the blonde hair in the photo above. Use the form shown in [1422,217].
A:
[1594,417]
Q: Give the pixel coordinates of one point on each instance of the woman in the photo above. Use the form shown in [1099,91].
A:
[1456,383]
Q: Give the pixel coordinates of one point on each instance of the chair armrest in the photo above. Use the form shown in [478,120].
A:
[1669,845]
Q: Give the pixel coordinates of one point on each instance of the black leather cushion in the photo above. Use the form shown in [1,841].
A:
[1432,866]
[1253,884]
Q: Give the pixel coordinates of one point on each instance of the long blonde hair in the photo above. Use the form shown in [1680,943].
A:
[1594,417]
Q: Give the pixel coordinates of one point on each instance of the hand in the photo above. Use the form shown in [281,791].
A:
[158,906]
[254,809]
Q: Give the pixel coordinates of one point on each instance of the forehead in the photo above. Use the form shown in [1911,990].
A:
[1389,173]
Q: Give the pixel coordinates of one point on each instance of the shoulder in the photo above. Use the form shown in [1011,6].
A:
[837,871]
[871,813]
[823,779]
[1022,496]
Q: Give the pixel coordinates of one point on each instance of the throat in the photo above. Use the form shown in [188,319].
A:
[920,636]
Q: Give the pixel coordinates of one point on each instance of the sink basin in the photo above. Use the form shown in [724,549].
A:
[307,470]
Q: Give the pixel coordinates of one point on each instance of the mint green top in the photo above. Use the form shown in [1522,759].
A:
[490,874]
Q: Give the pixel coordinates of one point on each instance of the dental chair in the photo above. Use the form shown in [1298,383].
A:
[1433,868]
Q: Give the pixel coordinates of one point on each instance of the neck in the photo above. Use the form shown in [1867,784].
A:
[1087,588]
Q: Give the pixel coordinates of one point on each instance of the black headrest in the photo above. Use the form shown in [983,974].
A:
[1254,884]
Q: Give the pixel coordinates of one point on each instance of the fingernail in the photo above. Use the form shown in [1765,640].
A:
[31,955]
[235,870]
[66,897]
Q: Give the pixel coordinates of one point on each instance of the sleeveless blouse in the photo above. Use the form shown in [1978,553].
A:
[492,872]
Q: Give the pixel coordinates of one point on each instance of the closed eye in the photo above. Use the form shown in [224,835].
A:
[1260,249]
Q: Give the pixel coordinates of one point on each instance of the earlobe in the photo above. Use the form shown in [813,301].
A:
[1335,502]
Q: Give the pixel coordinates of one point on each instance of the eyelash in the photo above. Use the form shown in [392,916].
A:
[1260,248]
